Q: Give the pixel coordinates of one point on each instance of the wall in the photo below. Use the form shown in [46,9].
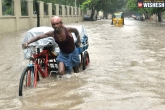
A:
[17,22]
[163,17]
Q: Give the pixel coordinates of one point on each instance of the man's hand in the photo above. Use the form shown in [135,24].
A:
[25,45]
[78,44]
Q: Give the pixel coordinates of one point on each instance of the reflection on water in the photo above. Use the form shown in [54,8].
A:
[126,71]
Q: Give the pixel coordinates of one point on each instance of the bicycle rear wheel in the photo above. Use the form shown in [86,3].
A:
[26,80]
[86,60]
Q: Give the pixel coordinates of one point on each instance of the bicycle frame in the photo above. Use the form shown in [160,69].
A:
[42,57]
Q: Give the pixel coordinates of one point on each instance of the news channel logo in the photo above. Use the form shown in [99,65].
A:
[150,3]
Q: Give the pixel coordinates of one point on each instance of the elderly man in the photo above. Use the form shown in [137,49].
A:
[68,57]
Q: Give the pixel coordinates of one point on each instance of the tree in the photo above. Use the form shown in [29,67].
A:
[23,8]
[7,7]
[157,11]
[132,5]
[107,6]
[110,6]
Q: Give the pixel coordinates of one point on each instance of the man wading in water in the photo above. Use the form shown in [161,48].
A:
[68,57]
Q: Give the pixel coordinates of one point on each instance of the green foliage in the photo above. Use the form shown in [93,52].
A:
[65,2]
[8,2]
[113,5]
[7,7]
[9,11]
[108,6]
[23,8]
[132,5]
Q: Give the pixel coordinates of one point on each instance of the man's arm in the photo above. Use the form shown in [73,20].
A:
[48,34]
[74,30]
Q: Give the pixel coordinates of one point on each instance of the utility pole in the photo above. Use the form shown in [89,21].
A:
[37,10]
[76,10]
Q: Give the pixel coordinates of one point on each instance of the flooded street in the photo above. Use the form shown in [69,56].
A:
[126,71]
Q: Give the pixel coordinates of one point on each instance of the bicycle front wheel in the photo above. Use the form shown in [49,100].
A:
[26,80]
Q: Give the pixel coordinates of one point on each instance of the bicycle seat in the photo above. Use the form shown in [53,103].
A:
[48,47]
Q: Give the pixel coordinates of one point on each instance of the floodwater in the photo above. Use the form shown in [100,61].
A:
[126,71]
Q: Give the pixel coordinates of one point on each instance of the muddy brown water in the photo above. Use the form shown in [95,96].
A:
[126,72]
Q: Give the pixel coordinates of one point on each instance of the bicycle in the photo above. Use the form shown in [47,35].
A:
[40,64]
[43,64]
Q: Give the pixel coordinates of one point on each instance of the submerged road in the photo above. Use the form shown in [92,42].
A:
[126,72]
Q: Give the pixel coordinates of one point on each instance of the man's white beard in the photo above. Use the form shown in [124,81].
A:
[57,30]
